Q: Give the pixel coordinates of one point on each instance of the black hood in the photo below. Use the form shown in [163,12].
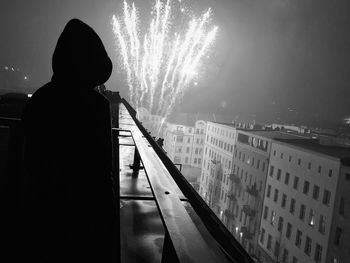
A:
[80,57]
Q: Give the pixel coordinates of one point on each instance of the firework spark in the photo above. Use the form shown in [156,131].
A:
[163,64]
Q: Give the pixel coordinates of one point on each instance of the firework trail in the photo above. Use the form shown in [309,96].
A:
[161,66]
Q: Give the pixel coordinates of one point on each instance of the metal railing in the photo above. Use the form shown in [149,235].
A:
[168,204]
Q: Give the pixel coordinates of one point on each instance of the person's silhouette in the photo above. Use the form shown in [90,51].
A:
[70,208]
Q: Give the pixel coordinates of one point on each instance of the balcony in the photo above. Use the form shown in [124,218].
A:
[253,191]
[235,179]
[246,233]
[249,211]
[162,218]
[229,214]
[232,197]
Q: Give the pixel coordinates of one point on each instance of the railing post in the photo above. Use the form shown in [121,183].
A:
[116,170]
[136,166]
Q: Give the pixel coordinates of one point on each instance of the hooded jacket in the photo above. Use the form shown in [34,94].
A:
[68,152]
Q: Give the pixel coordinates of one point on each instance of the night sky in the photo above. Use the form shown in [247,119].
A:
[273,60]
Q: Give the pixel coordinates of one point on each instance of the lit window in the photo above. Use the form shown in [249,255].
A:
[312,218]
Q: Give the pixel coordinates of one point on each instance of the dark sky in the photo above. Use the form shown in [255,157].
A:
[287,59]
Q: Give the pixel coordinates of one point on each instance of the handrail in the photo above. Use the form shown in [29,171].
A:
[229,245]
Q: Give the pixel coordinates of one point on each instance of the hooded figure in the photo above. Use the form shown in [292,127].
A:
[69,204]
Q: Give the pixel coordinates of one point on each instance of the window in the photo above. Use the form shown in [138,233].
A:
[281,155]
[266,211]
[292,206]
[286,178]
[309,166]
[290,158]
[289,231]
[277,249]
[258,164]
[312,218]
[269,241]
[177,159]
[316,192]
[268,193]
[279,172]
[342,206]
[280,224]
[338,233]
[296,182]
[272,218]
[295,260]
[271,170]
[298,238]
[322,225]
[275,196]
[195,160]
[179,139]
[274,153]
[263,167]
[299,161]
[284,201]
[302,212]
[262,236]
[330,172]
[306,187]
[307,248]
[199,160]
[326,197]
[318,253]
[319,169]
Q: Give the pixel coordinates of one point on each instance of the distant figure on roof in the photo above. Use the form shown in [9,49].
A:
[70,207]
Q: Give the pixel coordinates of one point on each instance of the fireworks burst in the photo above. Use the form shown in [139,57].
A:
[162,64]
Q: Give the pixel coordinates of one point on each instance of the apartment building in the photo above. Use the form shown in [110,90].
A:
[306,189]
[217,165]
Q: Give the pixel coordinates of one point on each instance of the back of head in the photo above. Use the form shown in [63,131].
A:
[80,57]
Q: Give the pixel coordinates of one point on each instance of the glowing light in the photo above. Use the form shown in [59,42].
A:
[25,78]
[236,229]
[347,120]
[29,95]
[6,68]
[12,69]
[161,64]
